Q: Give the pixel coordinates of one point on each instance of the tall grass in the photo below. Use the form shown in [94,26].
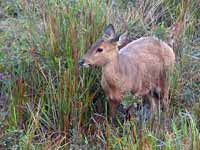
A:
[51,102]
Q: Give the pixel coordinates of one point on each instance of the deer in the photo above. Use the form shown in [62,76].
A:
[141,67]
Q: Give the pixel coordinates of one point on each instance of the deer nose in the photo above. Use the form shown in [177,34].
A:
[81,62]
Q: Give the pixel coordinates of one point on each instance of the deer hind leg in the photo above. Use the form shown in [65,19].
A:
[148,99]
[151,113]
[165,101]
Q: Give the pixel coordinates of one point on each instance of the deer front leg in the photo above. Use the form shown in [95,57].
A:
[113,103]
[114,100]
[117,113]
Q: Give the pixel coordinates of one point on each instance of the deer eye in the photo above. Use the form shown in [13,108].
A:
[99,50]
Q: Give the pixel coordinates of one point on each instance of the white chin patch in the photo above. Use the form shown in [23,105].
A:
[86,65]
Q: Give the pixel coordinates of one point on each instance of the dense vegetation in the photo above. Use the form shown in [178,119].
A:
[48,102]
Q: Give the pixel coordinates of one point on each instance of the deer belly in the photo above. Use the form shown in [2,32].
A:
[143,88]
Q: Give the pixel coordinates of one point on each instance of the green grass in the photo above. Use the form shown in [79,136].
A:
[49,102]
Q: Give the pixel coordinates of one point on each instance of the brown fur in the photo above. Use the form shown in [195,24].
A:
[140,68]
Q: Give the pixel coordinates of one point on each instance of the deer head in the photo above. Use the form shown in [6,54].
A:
[104,50]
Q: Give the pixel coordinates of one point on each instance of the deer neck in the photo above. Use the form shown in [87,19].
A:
[112,68]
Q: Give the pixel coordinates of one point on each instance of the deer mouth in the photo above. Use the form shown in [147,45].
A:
[87,65]
[83,63]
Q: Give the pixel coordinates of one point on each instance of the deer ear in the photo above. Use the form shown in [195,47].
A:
[109,32]
[122,39]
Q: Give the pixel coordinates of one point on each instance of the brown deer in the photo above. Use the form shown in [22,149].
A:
[141,67]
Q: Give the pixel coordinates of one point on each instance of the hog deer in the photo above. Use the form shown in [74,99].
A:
[140,68]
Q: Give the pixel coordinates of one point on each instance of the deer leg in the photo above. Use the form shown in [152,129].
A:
[116,111]
[148,99]
[152,105]
[165,101]
[113,103]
